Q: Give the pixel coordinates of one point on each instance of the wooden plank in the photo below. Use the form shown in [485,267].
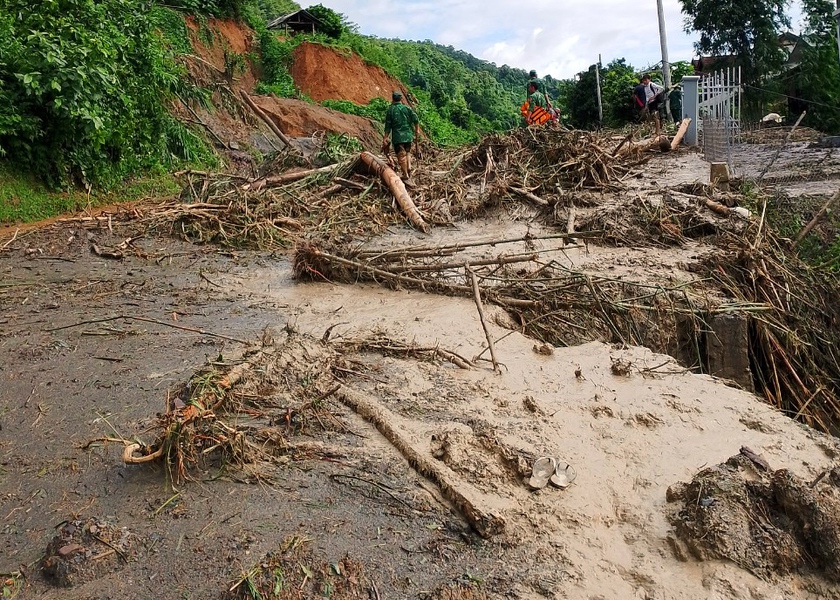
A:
[680,133]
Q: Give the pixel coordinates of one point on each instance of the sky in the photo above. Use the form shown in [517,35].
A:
[555,37]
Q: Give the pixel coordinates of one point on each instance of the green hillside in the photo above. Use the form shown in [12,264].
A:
[86,87]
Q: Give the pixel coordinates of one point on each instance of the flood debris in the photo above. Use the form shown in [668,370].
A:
[243,412]
[243,416]
[466,499]
[84,550]
[291,197]
[767,522]
[294,571]
[750,273]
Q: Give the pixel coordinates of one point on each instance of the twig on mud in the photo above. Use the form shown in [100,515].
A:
[119,552]
[477,295]
[150,320]
[14,237]
[207,279]
[381,487]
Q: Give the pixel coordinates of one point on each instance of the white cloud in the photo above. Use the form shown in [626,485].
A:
[555,38]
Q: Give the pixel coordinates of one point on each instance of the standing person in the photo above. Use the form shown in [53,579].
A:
[402,124]
[675,100]
[534,110]
[532,78]
[648,97]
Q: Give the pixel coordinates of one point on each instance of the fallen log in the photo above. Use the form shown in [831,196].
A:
[277,180]
[271,124]
[528,195]
[680,133]
[397,187]
[461,494]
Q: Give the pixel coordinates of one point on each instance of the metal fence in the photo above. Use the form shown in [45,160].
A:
[719,125]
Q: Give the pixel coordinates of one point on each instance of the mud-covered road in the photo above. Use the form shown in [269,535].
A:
[90,348]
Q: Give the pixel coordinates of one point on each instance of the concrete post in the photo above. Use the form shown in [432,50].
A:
[691,106]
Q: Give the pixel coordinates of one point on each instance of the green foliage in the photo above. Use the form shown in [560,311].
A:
[23,199]
[679,70]
[583,101]
[439,128]
[747,29]
[374,110]
[276,59]
[270,9]
[337,147]
[817,80]
[332,23]
[83,87]
[619,78]
[214,8]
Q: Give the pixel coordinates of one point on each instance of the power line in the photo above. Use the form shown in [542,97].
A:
[814,102]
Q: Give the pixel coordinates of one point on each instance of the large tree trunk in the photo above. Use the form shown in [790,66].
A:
[397,187]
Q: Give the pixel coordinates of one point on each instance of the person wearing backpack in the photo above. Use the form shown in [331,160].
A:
[648,97]
[402,125]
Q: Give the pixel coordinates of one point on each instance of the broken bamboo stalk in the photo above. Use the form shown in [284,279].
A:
[477,295]
[420,251]
[813,223]
[467,501]
[500,261]
[528,195]
[421,283]
[277,180]
[397,187]
[570,220]
[680,133]
[271,124]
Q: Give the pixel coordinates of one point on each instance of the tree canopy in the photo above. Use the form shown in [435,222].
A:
[747,29]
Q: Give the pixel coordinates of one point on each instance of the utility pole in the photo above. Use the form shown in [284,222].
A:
[598,88]
[666,66]
[837,18]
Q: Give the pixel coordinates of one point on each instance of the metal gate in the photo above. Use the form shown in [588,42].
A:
[720,114]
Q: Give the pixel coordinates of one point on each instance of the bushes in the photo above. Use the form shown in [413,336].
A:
[82,91]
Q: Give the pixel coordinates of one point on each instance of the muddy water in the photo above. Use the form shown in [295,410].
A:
[628,436]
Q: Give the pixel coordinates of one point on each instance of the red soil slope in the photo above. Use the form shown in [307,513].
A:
[322,73]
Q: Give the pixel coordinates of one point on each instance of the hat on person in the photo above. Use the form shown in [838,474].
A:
[396,95]
[532,73]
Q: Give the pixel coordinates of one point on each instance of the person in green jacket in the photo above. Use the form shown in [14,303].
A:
[402,125]
[532,78]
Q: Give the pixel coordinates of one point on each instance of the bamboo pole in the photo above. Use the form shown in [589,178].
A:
[461,494]
[271,124]
[813,223]
[680,133]
[397,187]
[528,195]
[285,178]
[477,295]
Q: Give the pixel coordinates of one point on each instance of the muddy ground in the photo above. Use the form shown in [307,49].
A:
[77,364]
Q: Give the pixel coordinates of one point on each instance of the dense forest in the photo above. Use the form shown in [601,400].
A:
[85,86]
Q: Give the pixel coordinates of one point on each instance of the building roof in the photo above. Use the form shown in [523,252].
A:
[300,20]
[708,64]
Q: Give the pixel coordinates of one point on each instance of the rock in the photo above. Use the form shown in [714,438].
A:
[69,550]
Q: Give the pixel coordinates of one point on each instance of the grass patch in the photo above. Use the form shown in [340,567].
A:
[23,199]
